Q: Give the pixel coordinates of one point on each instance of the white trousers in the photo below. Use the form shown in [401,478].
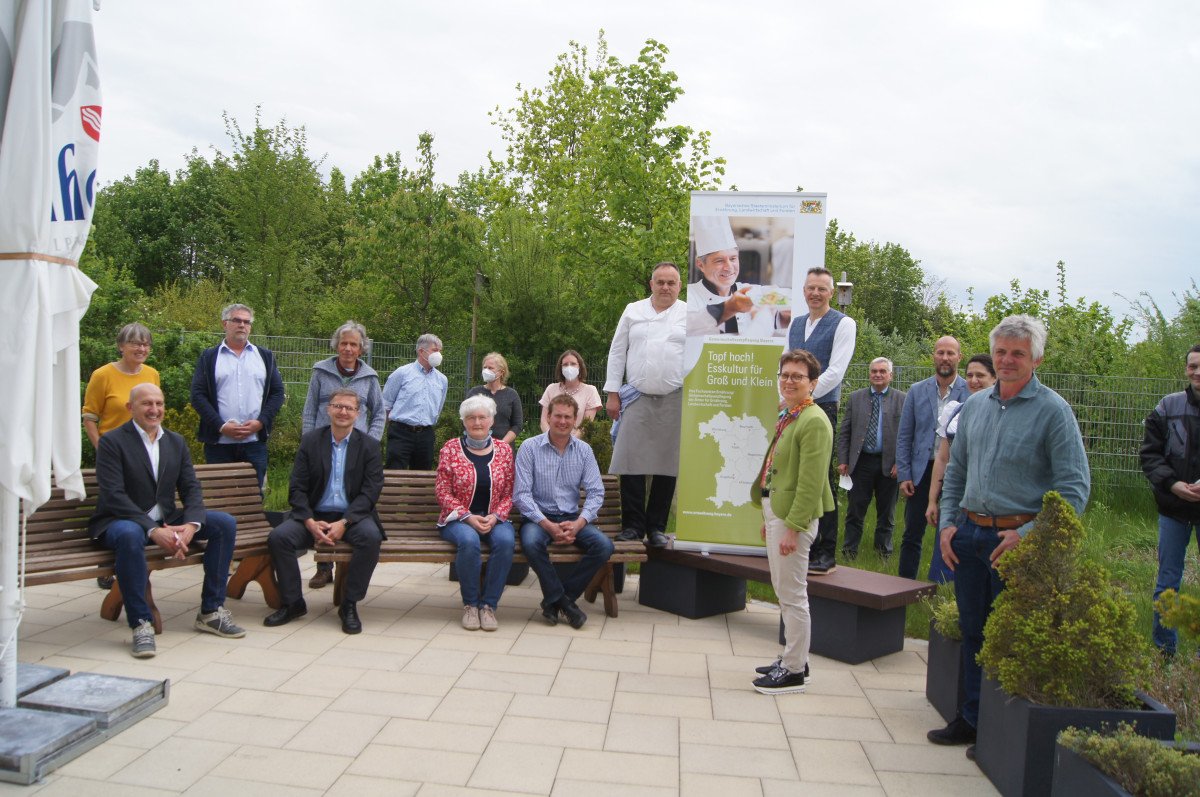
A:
[789,577]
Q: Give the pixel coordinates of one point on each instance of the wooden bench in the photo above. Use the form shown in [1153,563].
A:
[58,547]
[857,615]
[409,511]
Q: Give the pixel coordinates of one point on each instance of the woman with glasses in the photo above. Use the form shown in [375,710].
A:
[108,389]
[343,370]
[793,490]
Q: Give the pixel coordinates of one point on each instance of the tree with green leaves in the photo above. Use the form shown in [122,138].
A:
[592,158]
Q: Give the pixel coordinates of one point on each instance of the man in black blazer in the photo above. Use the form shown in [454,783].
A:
[336,481]
[139,466]
[866,451]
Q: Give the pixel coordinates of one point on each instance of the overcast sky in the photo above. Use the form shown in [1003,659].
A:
[989,139]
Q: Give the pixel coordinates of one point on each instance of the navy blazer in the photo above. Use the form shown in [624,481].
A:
[128,489]
[918,427]
[313,465]
[204,395]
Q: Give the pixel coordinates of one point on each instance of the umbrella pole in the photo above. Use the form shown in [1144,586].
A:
[10,595]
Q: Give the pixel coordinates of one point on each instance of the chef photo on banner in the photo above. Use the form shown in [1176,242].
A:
[718,304]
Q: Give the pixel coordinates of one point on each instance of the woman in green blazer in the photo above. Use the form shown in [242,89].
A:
[794,477]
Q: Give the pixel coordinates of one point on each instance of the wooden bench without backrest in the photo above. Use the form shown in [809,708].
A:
[857,615]
[409,511]
[58,547]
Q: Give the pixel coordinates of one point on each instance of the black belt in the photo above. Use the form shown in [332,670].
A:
[411,428]
[870,454]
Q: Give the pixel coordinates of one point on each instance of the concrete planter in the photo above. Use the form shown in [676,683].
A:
[1075,775]
[944,676]
[1017,737]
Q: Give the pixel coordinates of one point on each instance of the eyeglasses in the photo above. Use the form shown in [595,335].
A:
[246,321]
[343,408]
[137,344]
[792,377]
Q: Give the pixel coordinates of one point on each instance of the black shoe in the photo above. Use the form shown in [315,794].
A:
[657,539]
[628,535]
[779,682]
[573,613]
[286,614]
[766,669]
[105,582]
[959,731]
[348,611]
[550,612]
[821,564]
[971,753]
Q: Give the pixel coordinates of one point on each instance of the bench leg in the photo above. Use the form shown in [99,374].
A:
[114,603]
[603,582]
[255,568]
[339,582]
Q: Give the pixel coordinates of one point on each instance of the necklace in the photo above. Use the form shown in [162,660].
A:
[571,392]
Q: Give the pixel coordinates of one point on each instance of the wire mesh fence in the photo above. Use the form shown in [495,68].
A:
[1110,409]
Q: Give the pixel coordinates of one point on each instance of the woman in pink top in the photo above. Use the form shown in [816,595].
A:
[571,373]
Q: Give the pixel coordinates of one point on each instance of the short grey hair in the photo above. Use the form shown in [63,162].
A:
[228,312]
[427,340]
[134,332]
[345,329]
[883,360]
[476,403]
[1022,327]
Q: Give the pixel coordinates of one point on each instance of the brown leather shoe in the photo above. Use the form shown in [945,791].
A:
[322,578]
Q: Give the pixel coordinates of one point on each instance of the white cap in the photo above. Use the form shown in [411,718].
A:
[712,234]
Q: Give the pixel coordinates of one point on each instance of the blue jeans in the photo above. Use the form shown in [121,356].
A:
[255,453]
[501,540]
[597,548]
[976,585]
[1173,538]
[128,539]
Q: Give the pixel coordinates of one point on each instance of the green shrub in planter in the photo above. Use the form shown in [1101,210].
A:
[1143,767]
[944,609]
[1061,634]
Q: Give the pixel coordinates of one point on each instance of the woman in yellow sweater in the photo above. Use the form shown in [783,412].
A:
[108,389]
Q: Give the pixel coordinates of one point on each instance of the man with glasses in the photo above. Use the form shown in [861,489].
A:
[236,391]
[336,480]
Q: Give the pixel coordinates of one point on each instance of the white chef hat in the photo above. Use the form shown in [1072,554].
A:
[712,234]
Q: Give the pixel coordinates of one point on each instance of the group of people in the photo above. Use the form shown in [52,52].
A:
[973,456]
[337,474]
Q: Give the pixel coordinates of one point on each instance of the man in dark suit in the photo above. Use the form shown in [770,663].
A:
[139,466]
[916,444]
[866,451]
[336,481]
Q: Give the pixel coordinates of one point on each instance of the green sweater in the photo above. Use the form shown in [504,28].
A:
[800,471]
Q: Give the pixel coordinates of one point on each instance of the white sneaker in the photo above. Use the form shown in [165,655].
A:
[487,619]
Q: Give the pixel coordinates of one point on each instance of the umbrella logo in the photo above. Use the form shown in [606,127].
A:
[90,116]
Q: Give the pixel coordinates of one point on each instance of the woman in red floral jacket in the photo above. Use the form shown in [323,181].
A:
[474,489]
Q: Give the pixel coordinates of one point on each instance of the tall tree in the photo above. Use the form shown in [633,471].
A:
[276,206]
[593,159]
[888,283]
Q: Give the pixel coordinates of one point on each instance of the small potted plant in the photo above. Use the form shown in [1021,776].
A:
[1122,762]
[944,675]
[1063,649]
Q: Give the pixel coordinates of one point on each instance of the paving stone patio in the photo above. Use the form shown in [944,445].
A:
[644,704]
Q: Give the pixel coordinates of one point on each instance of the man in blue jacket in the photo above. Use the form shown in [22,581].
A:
[916,444]
[236,391]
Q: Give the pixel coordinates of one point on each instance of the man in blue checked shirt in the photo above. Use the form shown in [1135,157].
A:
[412,400]
[553,469]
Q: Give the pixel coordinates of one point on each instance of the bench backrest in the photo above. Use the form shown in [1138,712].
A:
[408,506]
[231,488]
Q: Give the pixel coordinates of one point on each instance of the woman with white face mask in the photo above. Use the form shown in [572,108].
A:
[571,373]
[509,417]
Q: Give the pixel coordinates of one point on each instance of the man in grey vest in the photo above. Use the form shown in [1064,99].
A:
[829,335]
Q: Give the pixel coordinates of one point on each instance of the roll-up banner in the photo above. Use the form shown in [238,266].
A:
[747,252]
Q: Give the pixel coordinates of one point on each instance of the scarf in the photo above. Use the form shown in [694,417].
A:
[785,419]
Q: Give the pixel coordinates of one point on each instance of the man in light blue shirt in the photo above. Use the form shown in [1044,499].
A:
[412,400]
[552,470]
[1015,442]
